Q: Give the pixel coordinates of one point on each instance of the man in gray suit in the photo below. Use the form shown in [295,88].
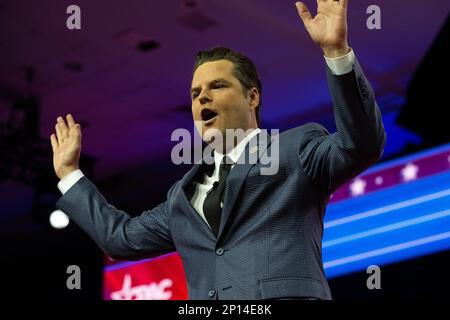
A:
[242,234]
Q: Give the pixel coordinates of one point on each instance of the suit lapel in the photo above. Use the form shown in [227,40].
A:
[187,184]
[238,174]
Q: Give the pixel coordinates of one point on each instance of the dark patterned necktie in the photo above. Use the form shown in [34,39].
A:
[212,206]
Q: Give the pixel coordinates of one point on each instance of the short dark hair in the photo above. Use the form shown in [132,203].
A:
[244,69]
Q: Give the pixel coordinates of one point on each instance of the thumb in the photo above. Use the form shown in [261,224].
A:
[303,12]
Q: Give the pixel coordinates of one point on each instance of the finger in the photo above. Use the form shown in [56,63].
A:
[59,133]
[54,142]
[343,3]
[303,12]
[63,128]
[77,133]
[70,121]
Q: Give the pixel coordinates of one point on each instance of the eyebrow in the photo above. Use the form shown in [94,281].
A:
[211,82]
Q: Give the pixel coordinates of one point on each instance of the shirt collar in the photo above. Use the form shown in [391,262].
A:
[235,153]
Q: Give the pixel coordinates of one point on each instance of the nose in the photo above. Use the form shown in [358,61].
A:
[204,98]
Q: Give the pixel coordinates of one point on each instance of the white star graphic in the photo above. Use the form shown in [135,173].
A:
[378,180]
[358,187]
[409,172]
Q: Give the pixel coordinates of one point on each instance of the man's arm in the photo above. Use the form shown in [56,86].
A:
[330,160]
[119,235]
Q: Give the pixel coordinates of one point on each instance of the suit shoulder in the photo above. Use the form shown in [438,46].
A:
[174,189]
[304,131]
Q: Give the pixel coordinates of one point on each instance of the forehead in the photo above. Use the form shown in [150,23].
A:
[209,71]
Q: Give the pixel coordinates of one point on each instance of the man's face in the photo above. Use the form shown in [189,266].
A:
[218,99]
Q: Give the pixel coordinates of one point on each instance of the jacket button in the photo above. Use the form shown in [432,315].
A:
[219,252]
[211,293]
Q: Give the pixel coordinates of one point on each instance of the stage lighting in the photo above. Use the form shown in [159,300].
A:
[58,219]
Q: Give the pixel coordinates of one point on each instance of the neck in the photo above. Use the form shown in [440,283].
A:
[230,142]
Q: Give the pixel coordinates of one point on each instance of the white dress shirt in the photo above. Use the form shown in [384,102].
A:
[202,188]
[338,66]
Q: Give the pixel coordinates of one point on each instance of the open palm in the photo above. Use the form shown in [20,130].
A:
[329,27]
[66,145]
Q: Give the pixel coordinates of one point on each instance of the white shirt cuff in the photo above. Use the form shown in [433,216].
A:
[68,181]
[341,65]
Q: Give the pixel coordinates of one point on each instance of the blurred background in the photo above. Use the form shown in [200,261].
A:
[125,76]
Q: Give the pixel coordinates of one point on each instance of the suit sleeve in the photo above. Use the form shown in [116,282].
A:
[330,160]
[119,235]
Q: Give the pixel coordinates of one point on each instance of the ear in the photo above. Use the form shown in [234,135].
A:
[254,96]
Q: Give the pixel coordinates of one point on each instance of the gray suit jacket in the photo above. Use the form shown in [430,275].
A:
[269,242]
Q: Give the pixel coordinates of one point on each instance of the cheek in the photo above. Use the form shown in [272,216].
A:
[231,104]
[195,112]
[239,110]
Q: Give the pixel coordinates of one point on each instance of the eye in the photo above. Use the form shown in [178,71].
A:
[213,86]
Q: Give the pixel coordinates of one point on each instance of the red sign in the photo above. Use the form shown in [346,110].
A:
[162,278]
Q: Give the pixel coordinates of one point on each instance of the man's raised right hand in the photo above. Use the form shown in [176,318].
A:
[66,145]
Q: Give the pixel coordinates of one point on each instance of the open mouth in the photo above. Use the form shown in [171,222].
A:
[208,114]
